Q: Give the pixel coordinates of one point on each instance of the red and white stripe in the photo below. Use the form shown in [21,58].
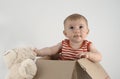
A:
[72,54]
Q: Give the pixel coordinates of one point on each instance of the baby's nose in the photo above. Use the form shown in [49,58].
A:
[76,31]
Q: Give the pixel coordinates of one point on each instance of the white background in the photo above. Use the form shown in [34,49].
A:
[39,23]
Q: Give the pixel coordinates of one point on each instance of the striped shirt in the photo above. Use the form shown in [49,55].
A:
[68,53]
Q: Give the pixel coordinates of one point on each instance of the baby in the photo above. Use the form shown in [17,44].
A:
[75,46]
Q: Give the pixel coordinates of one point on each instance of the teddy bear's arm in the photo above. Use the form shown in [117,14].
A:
[28,69]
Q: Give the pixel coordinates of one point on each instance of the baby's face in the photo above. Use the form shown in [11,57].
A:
[76,30]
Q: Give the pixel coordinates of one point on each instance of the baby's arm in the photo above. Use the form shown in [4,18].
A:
[48,51]
[94,55]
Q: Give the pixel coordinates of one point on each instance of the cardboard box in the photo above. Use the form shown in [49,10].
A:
[79,69]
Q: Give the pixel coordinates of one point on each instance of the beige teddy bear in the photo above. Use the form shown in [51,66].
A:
[21,63]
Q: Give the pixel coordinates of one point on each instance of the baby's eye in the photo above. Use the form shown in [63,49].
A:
[71,27]
[80,27]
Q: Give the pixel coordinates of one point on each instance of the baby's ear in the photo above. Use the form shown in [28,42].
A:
[88,31]
[9,58]
[64,32]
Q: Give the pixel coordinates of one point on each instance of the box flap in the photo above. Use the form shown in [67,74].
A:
[79,73]
[54,69]
[95,70]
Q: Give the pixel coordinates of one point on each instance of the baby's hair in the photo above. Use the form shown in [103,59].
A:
[75,17]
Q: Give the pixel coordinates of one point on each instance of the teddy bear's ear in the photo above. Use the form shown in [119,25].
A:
[9,58]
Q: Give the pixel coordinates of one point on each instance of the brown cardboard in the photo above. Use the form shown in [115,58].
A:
[80,69]
[95,70]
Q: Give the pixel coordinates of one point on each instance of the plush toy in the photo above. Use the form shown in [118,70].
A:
[21,63]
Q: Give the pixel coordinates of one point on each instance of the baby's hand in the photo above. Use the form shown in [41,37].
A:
[83,55]
[35,50]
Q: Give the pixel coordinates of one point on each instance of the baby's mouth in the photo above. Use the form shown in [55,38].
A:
[76,36]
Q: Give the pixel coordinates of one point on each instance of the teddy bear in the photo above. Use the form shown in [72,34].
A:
[21,63]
